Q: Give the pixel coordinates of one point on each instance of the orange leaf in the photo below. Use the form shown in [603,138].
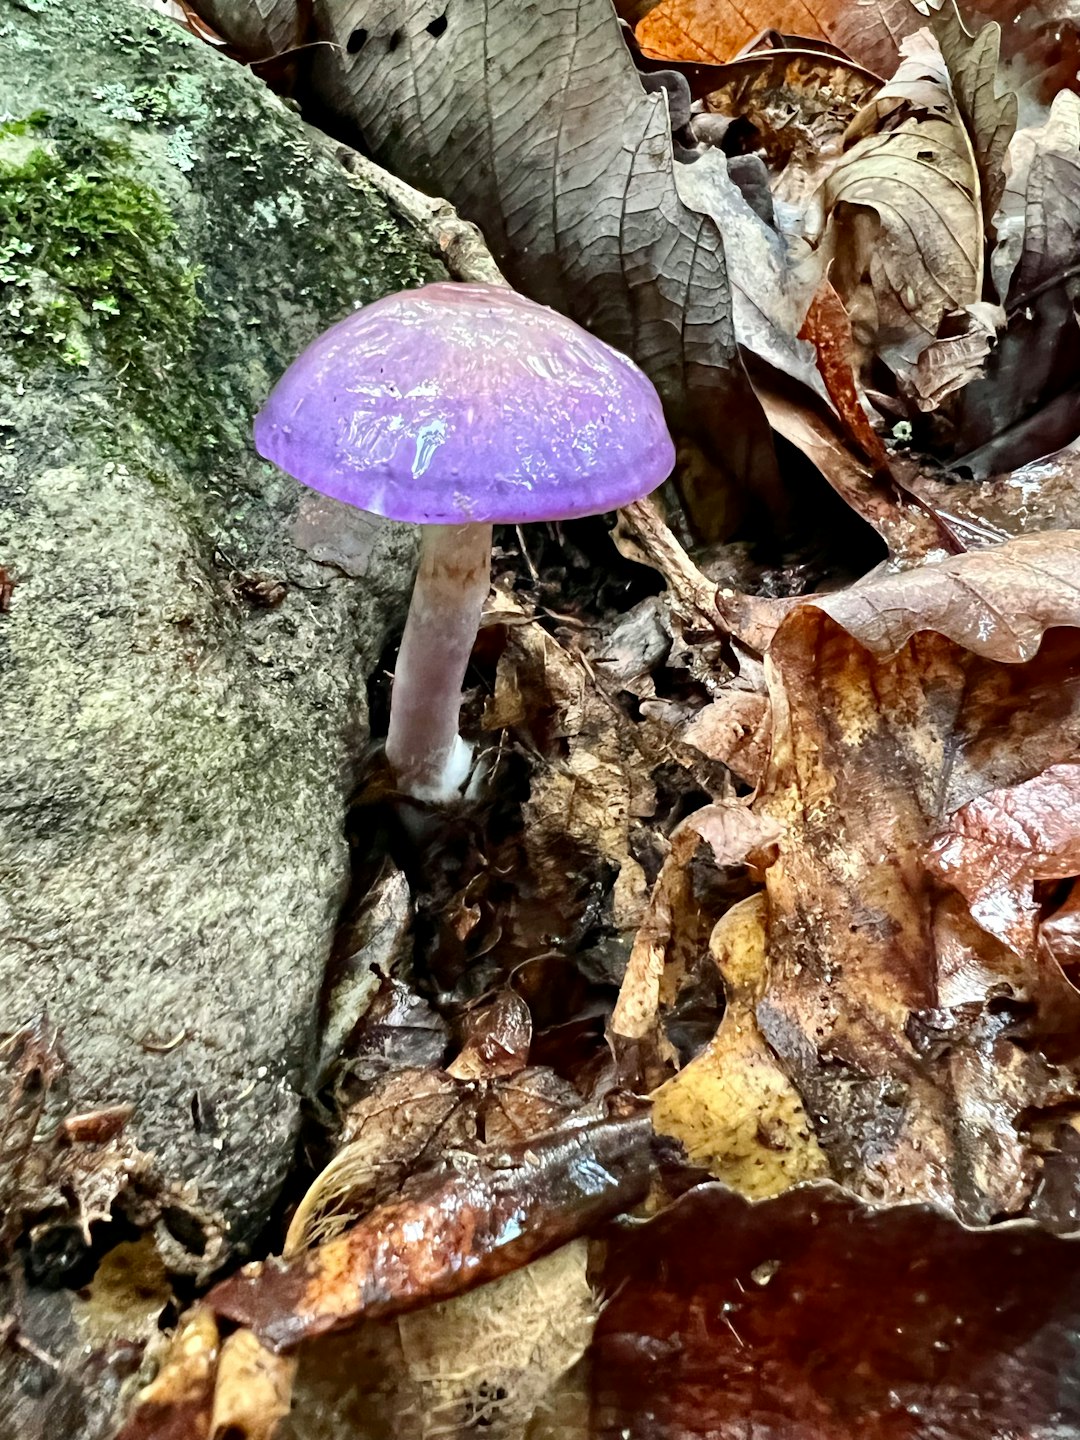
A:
[714,31]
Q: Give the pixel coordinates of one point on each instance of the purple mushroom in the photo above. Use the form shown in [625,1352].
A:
[456,406]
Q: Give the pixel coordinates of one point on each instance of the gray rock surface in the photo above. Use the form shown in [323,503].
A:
[181,686]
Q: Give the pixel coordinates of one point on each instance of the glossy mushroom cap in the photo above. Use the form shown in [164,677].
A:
[457,403]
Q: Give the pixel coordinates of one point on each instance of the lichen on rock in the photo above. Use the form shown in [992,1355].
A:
[177,753]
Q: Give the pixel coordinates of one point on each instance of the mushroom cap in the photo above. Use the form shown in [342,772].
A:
[456,403]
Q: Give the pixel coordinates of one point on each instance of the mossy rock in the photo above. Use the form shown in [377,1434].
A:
[181,686]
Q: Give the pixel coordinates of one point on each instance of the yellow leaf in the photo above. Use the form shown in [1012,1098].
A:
[732,1107]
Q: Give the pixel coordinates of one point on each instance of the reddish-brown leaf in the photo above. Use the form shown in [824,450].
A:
[812,1316]
[453,1234]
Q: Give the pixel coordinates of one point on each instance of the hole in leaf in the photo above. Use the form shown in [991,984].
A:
[394,41]
[437,26]
[356,41]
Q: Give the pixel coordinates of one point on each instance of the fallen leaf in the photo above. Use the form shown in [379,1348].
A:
[998,603]
[595,782]
[491,1357]
[497,1040]
[1041,43]
[127,1295]
[1043,495]
[735,730]
[411,1115]
[819,1317]
[908,531]
[769,297]
[178,1402]
[990,118]
[674,932]
[715,31]
[253,1389]
[1050,151]
[1025,405]
[828,329]
[903,210]
[995,848]
[483,1363]
[954,359]
[734,1110]
[920,1045]
[454,1234]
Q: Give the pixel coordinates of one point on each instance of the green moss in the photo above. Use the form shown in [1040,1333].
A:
[88,264]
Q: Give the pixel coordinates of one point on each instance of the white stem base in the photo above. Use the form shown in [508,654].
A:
[429,758]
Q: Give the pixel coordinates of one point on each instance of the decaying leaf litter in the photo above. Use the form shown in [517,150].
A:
[780,841]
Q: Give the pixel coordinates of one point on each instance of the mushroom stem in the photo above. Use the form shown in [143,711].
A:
[429,759]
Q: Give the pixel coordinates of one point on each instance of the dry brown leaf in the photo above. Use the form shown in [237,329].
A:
[990,117]
[1041,43]
[769,295]
[998,603]
[733,729]
[1042,149]
[734,1110]
[491,1357]
[954,359]
[905,227]
[669,946]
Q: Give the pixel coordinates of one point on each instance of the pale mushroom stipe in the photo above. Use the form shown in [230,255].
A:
[455,407]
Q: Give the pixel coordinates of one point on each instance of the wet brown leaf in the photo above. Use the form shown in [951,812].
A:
[920,1045]
[409,1119]
[815,1317]
[178,1402]
[995,848]
[454,1234]
[1044,495]
[497,1040]
[828,328]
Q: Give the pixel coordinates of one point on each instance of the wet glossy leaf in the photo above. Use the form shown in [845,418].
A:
[494,1216]
[815,1317]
